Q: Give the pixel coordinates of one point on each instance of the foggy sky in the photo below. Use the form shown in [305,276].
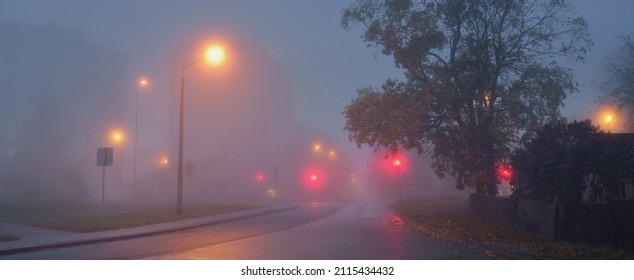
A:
[328,63]
[325,64]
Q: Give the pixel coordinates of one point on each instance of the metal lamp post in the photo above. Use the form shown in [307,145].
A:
[214,55]
[136,125]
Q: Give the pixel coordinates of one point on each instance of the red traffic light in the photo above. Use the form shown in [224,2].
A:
[396,163]
[505,172]
[260,177]
[313,177]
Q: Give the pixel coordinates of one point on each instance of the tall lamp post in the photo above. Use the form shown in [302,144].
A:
[215,55]
[140,83]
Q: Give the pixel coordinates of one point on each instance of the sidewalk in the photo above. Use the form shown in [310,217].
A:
[34,239]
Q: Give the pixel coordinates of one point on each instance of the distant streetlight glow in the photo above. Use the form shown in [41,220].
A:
[332,154]
[608,118]
[163,161]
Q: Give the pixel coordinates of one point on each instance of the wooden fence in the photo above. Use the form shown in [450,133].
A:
[608,223]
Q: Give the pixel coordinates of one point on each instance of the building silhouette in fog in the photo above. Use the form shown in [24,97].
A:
[59,94]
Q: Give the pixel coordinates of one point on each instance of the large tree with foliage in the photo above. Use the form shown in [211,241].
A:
[619,87]
[477,73]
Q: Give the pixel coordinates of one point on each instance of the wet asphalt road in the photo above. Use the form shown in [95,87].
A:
[327,231]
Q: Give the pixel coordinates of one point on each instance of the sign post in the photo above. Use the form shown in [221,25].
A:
[104,158]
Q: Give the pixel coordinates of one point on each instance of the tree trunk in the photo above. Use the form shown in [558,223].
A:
[489,159]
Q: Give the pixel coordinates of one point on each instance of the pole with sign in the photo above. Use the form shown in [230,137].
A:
[104,158]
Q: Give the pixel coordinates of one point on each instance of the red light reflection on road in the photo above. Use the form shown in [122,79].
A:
[395,231]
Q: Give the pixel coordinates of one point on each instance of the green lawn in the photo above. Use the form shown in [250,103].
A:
[86,217]
[450,219]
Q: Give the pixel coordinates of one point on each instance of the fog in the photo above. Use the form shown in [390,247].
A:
[59,93]
[63,97]
[69,78]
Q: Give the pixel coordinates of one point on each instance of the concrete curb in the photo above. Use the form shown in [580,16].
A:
[142,231]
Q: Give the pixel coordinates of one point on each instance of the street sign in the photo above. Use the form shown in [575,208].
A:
[104,156]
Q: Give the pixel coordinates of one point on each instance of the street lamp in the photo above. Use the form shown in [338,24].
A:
[215,55]
[139,84]
[608,119]
[332,154]
[163,161]
[116,136]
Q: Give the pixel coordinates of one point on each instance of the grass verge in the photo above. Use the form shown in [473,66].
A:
[450,219]
[86,217]
[8,238]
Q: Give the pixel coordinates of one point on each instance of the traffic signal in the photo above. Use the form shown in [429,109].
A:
[396,163]
[313,177]
[260,177]
[505,172]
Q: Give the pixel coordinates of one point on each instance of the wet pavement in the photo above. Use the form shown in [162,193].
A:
[35,238]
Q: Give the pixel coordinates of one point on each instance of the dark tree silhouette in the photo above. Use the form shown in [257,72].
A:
[477,74]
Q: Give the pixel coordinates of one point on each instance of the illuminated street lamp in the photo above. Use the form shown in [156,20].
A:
[608,118]
[162,161]
[116,136]
[215,56]
[332,154]
[139,84]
